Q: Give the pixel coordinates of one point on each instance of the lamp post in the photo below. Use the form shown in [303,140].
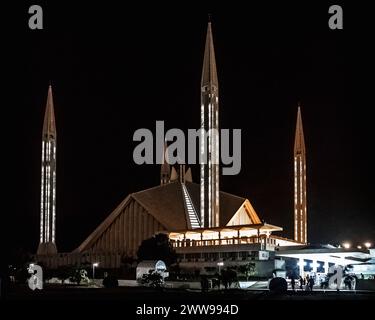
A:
[220,264]
[94,265]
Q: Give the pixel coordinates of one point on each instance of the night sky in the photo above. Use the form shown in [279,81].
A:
[115,69]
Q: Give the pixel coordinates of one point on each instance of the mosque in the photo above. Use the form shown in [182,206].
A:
[207,227]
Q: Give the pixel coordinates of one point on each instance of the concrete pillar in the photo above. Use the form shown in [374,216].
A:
[301,267]
[326,266]
[315,266]
[265,243]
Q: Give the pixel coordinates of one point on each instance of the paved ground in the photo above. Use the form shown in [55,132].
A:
[134,294]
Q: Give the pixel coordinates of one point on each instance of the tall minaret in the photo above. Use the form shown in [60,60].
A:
[48,182]
[300,202]
[209,171]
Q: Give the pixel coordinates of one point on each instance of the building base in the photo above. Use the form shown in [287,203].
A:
[46,249]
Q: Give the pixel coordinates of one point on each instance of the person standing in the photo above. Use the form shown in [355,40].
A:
[310,283]
[293,283]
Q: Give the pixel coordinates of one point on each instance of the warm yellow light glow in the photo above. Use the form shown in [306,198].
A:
[368,245]
[346,245]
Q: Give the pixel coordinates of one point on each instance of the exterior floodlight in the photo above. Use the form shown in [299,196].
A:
[359,247]
[94,265]
[346,245]
[367,245]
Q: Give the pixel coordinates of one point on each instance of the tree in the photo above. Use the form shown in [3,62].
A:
[153,279]
[228,277]
[79,275]
[127,261]
[157,248]
[248,269]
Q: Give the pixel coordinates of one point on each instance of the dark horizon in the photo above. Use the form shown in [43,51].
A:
[115,71]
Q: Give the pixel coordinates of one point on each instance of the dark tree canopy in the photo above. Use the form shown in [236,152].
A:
[157,248]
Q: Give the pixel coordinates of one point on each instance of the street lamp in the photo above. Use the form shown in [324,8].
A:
[94,265]
[367,245]
[220,264]
[346,245]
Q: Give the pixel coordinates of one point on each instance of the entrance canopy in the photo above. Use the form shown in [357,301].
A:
[329,255]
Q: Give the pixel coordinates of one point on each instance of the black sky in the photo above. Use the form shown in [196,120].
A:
[115,69]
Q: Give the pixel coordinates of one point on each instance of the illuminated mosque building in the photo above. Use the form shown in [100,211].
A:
[207,227]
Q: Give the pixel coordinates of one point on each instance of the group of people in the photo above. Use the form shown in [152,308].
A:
[305,283]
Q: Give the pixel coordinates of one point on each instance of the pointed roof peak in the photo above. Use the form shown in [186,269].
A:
[49,126]
[299,114]
[209,73]
[299,142]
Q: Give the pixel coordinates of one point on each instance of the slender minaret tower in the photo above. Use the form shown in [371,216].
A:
[209,171]
[300,203]
[165,170]
[48,184]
